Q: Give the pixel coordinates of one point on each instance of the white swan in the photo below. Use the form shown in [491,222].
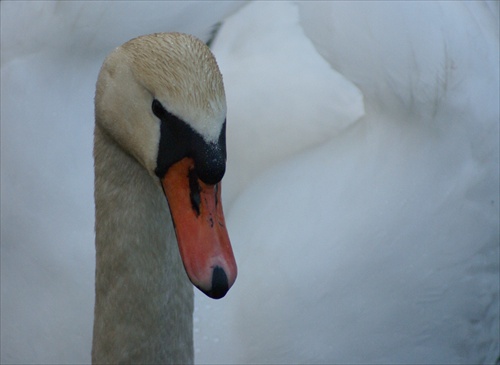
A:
[160,123]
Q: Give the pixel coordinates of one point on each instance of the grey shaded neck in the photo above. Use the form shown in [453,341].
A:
[144,300]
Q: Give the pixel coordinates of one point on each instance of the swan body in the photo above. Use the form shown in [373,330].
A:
[387,246]
[160,110]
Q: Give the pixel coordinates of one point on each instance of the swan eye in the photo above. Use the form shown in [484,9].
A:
[158,109]
[163,114]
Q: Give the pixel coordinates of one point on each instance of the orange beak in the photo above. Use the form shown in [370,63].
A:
[204,245]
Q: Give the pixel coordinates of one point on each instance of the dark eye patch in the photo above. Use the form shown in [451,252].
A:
[175,138]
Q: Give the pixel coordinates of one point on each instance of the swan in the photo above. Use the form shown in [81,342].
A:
[47,283]
[160,115]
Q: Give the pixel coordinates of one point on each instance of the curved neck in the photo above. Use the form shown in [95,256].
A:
[144,300]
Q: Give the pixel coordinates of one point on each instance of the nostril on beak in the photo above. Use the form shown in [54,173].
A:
[220,284]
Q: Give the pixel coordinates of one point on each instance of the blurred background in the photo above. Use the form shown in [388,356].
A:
[361,193]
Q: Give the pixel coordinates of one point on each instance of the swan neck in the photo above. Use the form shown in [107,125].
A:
[144,300]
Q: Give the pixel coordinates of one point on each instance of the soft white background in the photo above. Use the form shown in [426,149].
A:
[362,190]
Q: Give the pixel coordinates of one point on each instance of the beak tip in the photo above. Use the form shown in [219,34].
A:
[220,284]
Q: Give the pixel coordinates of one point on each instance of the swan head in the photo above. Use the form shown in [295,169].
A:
[161,98]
